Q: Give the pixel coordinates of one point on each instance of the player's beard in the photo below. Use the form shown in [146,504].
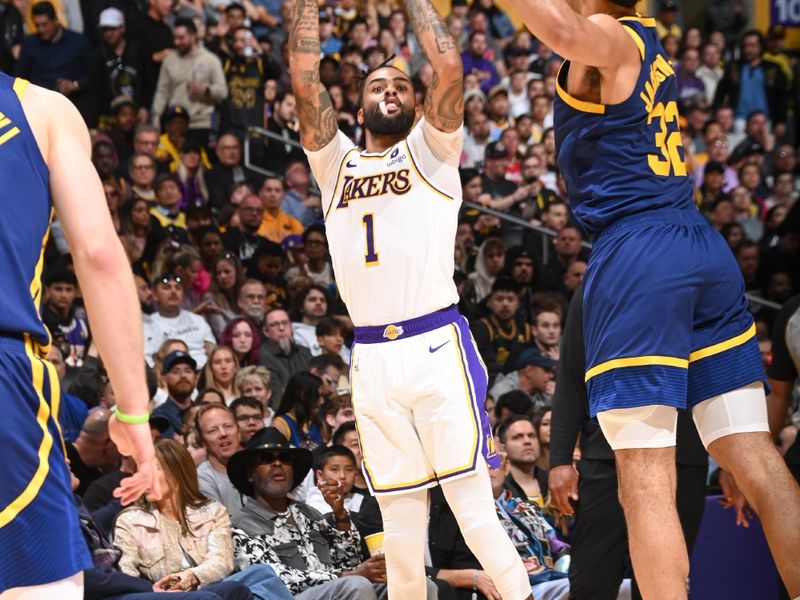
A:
[379,124]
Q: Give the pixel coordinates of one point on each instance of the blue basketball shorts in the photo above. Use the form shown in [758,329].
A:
[40,536]
[665,317]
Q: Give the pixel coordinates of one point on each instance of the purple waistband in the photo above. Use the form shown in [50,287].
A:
[375,334]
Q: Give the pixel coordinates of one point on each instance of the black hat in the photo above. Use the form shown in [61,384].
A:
[324,15]
[533,357]
[172,112]
[177,357]
[160,424]
[671,5]
[515,253]
[714,166]
[269,439]
[496,150]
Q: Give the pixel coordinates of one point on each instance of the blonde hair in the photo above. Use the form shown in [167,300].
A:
[252,372]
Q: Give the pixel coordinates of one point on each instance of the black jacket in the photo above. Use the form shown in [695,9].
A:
[777,89]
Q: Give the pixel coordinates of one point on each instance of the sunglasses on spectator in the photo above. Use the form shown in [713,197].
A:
[270,457]
[170,277]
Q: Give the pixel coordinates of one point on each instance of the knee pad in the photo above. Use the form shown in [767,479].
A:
[740,411]
[651,426]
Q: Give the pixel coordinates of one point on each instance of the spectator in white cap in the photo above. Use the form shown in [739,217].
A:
[118,66]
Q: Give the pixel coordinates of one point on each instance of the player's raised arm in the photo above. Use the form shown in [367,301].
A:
[314,107]
[596,41]
[444,102]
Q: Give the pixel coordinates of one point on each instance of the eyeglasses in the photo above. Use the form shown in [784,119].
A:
[271,457]
[277,324]
[141,167]
[786,155]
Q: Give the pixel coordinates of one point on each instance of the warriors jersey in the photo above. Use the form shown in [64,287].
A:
[25,208]
[625,158]
[391,221]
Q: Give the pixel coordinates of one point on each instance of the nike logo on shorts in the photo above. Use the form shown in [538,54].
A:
[431,349]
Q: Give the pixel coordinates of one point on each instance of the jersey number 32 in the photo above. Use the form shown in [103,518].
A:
[668,161]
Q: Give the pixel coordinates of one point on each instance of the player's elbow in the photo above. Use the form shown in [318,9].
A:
[449,64]
[102,254]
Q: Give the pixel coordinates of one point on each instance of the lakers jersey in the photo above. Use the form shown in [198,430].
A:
[25,210]
[391,221]
[624,158]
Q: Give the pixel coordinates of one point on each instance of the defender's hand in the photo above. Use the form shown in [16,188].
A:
[137,442]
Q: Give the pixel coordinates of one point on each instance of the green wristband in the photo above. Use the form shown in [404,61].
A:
[131,419]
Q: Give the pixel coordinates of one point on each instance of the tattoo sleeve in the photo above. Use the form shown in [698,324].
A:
[444,101]
[314,108]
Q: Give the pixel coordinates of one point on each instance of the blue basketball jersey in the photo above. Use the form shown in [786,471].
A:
[625,158]
[25,212]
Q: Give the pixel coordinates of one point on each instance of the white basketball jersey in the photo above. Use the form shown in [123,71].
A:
[391,222]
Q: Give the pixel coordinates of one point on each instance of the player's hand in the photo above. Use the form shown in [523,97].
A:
[333,493]
[733,497]
[485,586]
[137,442]
[563,486]
[374,569]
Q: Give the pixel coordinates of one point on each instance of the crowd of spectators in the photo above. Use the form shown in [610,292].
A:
[247,341]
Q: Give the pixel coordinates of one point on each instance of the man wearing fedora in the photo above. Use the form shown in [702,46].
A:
[317,558]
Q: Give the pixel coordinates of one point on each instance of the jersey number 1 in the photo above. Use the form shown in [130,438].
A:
[371,257]
[668,141]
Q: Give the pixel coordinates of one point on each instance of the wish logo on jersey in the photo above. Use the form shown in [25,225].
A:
[372,186]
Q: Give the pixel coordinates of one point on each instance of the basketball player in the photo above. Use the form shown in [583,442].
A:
[418,384]
[44,165]
[665,319]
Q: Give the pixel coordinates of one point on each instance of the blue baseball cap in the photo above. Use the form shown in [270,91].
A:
[534,357]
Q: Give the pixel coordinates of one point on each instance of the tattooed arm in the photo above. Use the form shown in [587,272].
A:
[444,102]
[314,107]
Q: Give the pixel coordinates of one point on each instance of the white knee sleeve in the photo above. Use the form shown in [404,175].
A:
[405,531]
[70,588]
[652,426]
[740,411]
[470,499]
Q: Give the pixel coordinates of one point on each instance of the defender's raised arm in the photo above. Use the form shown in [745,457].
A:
[444,102]
[314,107]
